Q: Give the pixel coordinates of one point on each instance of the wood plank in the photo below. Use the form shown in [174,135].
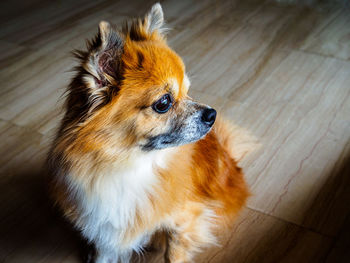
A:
[281,71]
[331,37]
[340,252]
[300,112]
[257,237]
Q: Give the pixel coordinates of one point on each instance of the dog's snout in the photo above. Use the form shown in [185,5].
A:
[209,116]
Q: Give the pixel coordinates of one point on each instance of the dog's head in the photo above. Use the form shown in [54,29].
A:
[132,84]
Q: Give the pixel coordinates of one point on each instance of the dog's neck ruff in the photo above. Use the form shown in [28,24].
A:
[113,198]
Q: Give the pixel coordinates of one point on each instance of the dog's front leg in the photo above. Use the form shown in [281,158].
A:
[177,250]
[104,255]
[192,229]
[107,255]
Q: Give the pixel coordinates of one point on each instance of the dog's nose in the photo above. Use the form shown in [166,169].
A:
[209,116]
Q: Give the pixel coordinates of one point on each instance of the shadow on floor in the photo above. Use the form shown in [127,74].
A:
[31,230]
[329,215]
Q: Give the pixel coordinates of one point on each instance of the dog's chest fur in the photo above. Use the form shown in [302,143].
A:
[108,208]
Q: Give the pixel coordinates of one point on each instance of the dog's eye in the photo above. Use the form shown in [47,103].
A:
[163,105]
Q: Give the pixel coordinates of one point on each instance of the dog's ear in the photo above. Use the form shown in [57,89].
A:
[104,58]
[151,27]
[154,20]
[102,63]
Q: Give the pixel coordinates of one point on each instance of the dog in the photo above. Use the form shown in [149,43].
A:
[134,154]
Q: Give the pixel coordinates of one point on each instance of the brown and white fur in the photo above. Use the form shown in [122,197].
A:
[121,170]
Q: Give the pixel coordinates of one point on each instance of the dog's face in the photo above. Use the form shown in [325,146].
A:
[138,87]
[156,86]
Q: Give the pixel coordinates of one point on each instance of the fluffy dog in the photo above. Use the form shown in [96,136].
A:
[135,154]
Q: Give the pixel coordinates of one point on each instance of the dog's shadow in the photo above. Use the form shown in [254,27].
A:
[33,230]
[30,229]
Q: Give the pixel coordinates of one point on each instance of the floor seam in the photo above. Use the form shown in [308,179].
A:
[292,223]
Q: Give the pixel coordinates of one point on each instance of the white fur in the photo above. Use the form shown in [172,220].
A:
[187,83]
[208,221]
[155,18]
[203,230]
[108,208]
[174,86]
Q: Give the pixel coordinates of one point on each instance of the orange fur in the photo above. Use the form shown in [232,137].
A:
[198,183]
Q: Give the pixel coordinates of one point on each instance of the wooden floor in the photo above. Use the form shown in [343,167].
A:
[281,71]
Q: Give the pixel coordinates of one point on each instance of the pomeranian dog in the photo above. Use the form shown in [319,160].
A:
[135,154]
